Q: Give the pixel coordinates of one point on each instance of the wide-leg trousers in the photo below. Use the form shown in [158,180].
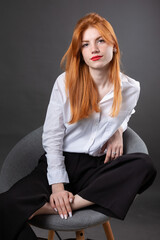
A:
[111,186]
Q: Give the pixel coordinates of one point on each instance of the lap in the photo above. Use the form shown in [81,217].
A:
[84,170]
[88,175]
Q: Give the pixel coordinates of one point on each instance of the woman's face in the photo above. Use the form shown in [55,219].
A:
[96,53]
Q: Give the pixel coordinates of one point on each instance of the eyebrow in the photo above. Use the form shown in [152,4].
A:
[88,40]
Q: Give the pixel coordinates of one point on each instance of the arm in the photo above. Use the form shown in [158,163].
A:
[52,138]
[53,134]
[114,146]
[131,91]
[124,125]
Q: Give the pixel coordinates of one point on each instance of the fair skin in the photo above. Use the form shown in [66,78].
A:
[97,54]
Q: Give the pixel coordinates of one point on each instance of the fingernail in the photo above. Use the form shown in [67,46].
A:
[70,200]
[70,214]
[65,216]
[55,209]
[61,216]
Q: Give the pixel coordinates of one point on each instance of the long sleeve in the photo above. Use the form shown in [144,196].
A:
[131,88]
[124,125]
[52,138]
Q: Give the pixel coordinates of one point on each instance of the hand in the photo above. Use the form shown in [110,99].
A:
[114,146]
[60,200]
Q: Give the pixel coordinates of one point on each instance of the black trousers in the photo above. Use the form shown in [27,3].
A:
[112,187]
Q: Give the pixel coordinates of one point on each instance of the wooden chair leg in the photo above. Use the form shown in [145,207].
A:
[80,235]
[51,235]
[108,230]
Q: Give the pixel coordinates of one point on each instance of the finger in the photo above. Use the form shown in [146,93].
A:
[116,152]
[52,202]
[68,206]
[113,153]
[121,151]
[71,197]
[58,206]
[63,207]
[107,158]
[108,155]
[103,147]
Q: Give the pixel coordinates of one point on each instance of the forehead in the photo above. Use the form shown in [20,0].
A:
[90,33]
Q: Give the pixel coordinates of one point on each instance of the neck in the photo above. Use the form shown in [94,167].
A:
[100,77]
[102,82]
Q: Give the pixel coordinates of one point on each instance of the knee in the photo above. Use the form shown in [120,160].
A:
[146,170]
[145,162]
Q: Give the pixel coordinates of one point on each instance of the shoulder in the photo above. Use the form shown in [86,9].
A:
[130,92]
[60,81]
[129,83]
[58,90]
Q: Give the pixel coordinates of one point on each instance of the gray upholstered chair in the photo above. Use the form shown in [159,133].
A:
[24,157]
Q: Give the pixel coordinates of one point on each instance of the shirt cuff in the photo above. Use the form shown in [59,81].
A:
[57,176]
[124,126]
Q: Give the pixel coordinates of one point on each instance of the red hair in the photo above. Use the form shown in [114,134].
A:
[83,93]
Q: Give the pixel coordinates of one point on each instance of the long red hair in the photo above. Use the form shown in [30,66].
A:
[83,93]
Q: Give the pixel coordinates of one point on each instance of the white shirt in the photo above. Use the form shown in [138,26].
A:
[87,135]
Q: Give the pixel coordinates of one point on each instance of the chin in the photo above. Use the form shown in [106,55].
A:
[98,66]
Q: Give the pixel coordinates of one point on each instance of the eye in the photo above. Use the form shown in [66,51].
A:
[101,40]
[85,45]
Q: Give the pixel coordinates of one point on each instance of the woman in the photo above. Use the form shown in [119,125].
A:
[83,164]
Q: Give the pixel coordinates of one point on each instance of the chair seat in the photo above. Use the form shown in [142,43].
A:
[80,220]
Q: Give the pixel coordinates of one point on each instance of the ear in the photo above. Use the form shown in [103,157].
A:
[115,50]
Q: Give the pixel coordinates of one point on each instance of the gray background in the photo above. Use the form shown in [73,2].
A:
[34,35]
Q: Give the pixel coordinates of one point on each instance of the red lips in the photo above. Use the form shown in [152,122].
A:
[95,58]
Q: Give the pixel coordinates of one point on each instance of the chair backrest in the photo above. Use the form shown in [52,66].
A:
[133,142]
[24,156]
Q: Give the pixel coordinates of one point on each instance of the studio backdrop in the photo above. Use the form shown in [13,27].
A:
[34,36]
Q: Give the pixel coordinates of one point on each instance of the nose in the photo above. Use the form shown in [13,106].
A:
[94,48]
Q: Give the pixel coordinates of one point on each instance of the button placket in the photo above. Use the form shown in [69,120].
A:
[94,130]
